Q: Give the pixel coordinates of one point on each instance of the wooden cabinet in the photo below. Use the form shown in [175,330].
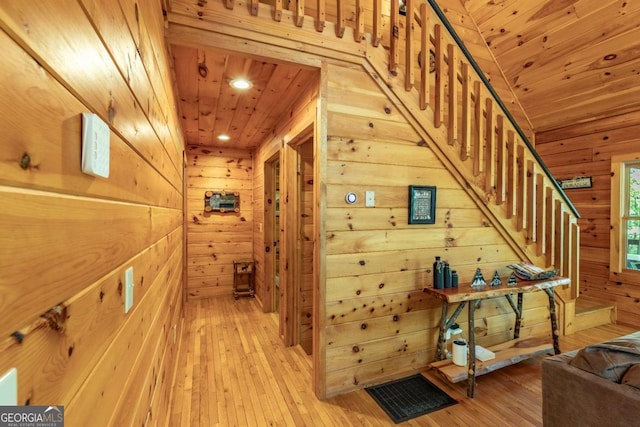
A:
[243,278]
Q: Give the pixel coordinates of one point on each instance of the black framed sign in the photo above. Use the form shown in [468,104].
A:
[422,204]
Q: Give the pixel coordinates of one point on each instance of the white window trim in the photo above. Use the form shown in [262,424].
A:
[617,251]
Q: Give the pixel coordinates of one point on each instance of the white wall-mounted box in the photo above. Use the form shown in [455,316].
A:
[9,388]
[95,146]
[128,289]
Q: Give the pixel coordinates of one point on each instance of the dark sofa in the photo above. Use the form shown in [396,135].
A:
[598,385]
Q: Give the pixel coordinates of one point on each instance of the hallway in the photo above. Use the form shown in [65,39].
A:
[234,371]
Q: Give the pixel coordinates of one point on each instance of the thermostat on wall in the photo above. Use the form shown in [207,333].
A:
[95,146]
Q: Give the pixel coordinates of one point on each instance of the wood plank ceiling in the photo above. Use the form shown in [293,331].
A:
[568,61]
[210,106]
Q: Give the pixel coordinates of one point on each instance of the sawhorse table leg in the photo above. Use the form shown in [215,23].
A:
[471,357]
[445,324]
[518,311]
[554,320]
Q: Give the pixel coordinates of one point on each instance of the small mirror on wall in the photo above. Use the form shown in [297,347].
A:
[221,201]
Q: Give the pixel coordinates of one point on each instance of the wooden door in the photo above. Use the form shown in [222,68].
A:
[297,242]
[272,234]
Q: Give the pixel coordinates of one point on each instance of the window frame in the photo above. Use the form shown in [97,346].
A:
[620,212]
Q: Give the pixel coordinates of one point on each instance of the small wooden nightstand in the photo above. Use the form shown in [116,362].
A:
[243,278]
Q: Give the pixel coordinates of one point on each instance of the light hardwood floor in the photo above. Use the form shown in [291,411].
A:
[234,371]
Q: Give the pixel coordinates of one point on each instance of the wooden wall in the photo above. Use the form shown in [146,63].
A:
[66,238]
[216,239]
[378,322]
[586,150]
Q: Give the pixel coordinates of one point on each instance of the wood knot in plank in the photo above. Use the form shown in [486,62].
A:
[25,162]
[56,317]
[19,336]
[203,70]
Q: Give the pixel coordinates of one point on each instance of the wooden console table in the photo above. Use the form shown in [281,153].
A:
[507,353]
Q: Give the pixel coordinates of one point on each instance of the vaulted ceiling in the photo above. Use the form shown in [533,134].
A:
[566,61]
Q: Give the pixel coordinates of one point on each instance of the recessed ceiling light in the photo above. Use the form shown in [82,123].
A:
[240,83]
[224,137]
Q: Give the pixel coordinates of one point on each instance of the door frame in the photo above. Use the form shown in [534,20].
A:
[269,236]
[290,229]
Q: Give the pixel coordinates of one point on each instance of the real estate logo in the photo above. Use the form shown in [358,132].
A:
[31,416]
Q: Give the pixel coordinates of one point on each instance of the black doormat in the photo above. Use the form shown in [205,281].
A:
[409,397]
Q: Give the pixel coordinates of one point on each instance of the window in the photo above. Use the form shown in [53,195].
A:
[625,213]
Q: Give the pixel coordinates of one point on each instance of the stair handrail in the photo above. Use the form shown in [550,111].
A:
[507,114]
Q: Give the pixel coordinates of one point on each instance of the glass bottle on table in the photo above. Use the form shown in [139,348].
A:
[438,274]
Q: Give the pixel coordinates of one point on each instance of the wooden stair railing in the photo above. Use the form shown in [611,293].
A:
[453,106]
[477,135]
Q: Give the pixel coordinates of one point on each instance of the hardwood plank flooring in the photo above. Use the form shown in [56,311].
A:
[235,371]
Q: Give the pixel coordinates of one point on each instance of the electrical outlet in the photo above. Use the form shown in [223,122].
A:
[9,388]
[128,289]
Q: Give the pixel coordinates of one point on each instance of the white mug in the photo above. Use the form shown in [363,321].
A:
[460,352]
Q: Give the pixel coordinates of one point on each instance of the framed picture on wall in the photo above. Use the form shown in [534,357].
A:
[422,204]
[221,201]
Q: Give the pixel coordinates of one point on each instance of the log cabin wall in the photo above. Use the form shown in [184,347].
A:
[377,320]
[216,239]
[66,238]
[585,149]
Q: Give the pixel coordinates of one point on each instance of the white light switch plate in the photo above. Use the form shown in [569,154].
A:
[128,289]
[370,199]
[9,388]
[95,146]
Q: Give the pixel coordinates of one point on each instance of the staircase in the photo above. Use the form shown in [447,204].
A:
[454,109]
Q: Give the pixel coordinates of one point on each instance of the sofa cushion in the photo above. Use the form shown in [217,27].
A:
[632,376]
[610,359]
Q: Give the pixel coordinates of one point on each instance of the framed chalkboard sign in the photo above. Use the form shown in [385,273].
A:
[422,204]
[221,201]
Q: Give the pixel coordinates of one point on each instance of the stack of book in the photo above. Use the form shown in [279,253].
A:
[527,271]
